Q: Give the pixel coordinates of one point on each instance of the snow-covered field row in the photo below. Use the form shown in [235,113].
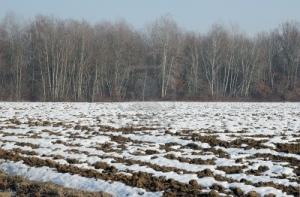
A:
[155,148]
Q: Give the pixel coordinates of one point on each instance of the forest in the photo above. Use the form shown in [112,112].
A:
[53,59]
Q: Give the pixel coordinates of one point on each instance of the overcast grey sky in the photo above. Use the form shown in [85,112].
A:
[251,15]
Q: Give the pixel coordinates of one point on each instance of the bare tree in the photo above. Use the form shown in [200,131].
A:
[165,37]
[51,59]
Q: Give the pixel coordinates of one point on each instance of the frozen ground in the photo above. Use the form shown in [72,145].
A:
[155,148]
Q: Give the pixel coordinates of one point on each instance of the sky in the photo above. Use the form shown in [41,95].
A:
[252,16]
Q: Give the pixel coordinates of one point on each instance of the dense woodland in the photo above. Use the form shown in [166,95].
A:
[51,59]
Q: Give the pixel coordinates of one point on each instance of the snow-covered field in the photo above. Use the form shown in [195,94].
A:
[155,148]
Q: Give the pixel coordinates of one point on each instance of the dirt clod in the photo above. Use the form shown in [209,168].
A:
[213,193]
[151,152]
[252,194]
[205,173]
[193,183]
[237,191]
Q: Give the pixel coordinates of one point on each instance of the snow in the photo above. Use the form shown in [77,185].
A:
[45,174]
[229,121]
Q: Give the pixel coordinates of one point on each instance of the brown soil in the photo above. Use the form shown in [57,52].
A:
[140,179]
[277,158]
[205,173]
[147,180]
[106,147]
[72,161]
[231,169]
[289,148]
[213,140]
[288,189]
[191,161]
[237,191]
[15,121]
[25,152]
[124,130]
[257,172]
[151,152]
[22,144]
[20,187]
[65,143]
[123,140]
[51,132]
[252,194]
[38,123]
[217,152]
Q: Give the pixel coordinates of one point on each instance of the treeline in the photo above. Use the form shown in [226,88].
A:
[50,59]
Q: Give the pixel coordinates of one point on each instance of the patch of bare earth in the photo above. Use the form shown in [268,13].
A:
[120,142]
[21,187]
